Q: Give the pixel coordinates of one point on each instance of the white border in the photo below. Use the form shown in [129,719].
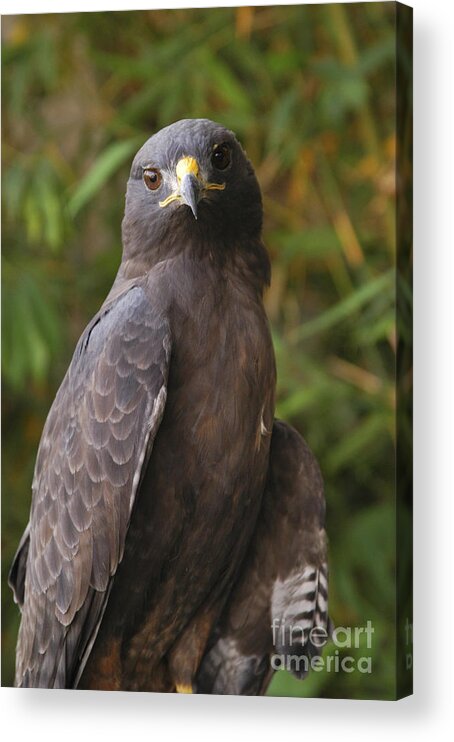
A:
[65,715]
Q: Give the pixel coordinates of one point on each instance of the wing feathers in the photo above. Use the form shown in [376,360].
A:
[16,576]
[95,442]
[282,590]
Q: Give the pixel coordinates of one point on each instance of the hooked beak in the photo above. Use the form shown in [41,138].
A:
[187,172]
[191,186]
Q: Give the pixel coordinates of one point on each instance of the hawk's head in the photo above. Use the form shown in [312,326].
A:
[191,180]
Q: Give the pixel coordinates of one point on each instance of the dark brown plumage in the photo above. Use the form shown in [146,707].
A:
[283,580]
[152,466]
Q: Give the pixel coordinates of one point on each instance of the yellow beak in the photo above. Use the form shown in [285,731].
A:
[190,185]
[187,166]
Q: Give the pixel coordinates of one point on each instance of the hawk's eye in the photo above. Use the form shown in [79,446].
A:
[221,156]
[152,179]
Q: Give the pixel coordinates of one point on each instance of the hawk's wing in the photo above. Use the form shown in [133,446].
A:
[282,591]
[96,440]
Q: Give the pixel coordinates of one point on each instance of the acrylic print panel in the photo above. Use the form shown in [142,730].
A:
[206,519]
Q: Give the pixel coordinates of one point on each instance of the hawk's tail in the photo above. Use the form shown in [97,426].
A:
[301,625]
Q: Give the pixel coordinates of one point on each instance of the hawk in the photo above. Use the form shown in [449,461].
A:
[174,523]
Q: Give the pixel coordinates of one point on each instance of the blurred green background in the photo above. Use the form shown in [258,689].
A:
[310,92]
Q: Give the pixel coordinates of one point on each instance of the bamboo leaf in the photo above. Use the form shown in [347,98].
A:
[103,167]
[344,308]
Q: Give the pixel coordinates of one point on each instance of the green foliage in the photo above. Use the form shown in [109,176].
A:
[103,167]
[309,90]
